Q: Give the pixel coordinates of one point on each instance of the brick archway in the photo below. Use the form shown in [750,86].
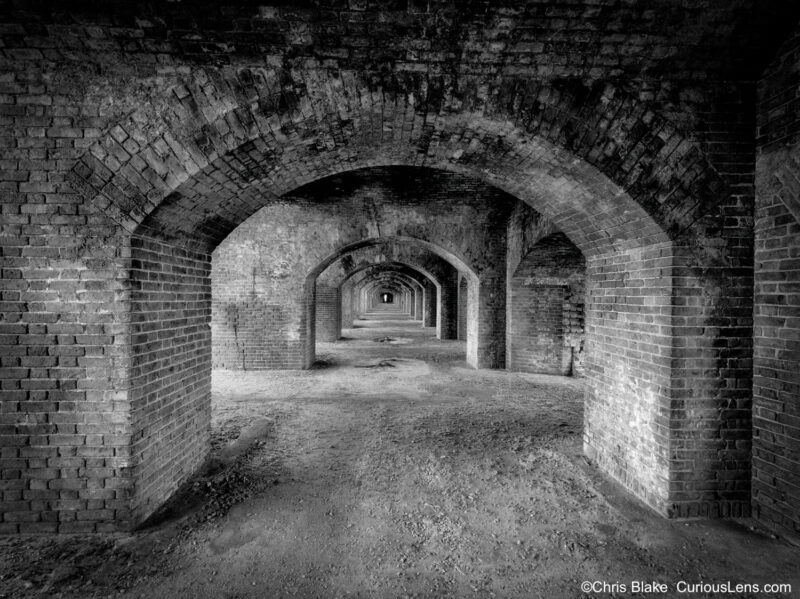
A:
[429,283]
[616,187]
[335,309]
[481,349]
[415,289]
[398,291]
[431,269]
[402,270]
[238,126]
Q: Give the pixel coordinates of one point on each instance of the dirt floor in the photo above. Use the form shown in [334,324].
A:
[394,470]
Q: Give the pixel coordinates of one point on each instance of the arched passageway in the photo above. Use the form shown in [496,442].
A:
[425,288]
[185,185]
[172,174]
[637,242]
[482,351]
[607,385]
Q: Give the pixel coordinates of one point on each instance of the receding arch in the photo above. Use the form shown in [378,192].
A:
[387,277]
[474,347]
[418,283]
[457,261]
[428,281]
[392,266]
[400,291]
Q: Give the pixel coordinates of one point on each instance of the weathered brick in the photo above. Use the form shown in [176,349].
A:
[545,330]
[776,384]
[627,151]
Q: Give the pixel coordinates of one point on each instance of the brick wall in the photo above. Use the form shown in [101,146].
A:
[486,319]
[429,309]
[447,315]
[536,334]
[347,292]
[171,369]
[328,313]
[65,430]
[776,384]
[463,294]
[711,416]
[252,334]
[629,347]
[711,377]
[660,328]
[546,305]
[258,293]
[574,321]
[65,426]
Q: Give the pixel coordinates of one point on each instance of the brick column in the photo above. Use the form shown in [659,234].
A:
[429,308]
[348,308]
[447,313]
[536,335]
[463,294]
[628,371]
[486,322]
[328,313]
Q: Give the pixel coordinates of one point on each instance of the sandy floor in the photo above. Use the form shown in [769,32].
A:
[394,470]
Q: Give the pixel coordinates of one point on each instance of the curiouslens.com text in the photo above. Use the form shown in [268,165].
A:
[681,587]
